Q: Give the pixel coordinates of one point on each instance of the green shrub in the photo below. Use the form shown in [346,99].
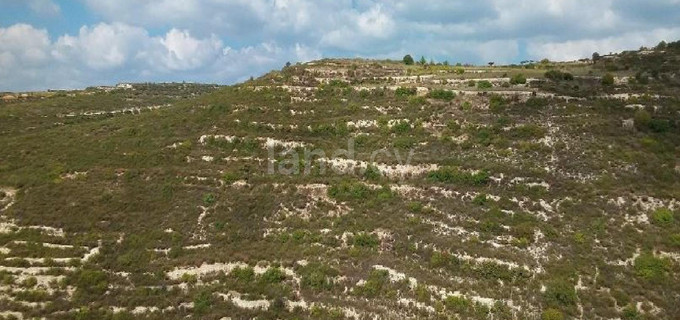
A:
[366,240]
[209,199]
[230,177]
[466,106]
[480,199]
[372,173]
[90,282]
[457,304]
[455,176]
[608,80]
[528,131]
[374,285]
[484,84]
[317,276]
[203,301]
[496,104]
[557,75]
[422,293]
[442,94]
[405,91]
[642,119]
[552,314]
[245,275]
[674,240]
[415,206]
[273,275]
[651,268]
[518,79]
[630,313]
[349,191]
[660,125]
[663,217]
[560,293]
[401,127]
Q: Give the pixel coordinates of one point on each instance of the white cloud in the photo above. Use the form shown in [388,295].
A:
[107,53]
[183,52]
[104,46]
[576,49]
[21,45]
[226,40]
[44,7]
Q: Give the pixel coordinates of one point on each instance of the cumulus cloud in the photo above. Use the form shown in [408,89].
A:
[104,46]
[226,41]
[105,53]
[576,49]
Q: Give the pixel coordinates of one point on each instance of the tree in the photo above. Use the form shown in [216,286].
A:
[408,60]
[662,45]
[423,61]
[596,57]
[491,64]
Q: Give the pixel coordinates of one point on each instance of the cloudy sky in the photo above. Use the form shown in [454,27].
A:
[77,43]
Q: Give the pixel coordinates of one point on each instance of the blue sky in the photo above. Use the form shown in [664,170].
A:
[78,43]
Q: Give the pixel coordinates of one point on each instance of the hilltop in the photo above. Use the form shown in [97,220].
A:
[350,188]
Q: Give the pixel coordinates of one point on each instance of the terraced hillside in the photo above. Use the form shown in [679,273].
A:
[350,189]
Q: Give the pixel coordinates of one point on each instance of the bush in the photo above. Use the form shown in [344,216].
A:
[552,314]
[408,60]
[560,293]
[375,284]
[480,199]
[415,206]
[246,274]
[349,191]
[90,282]
[209,199]
[557,75]
[405,91]
[630,313]
[608,80]
[659,125]
[318,277]
[457,304]
[651,268]
[496,104]
[642,119]
[663,217]
[366,240]
[372,173]
[453,175]
[273,275]
[441,94]
[675,240]
[203,301]
[401,127]
[484,84]
[518,79]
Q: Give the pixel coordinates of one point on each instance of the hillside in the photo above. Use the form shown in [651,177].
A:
[352,189]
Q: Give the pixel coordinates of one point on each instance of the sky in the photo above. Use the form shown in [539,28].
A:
[55,44]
